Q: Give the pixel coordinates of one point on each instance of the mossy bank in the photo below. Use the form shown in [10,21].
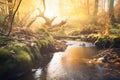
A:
[103,41]
[18,57]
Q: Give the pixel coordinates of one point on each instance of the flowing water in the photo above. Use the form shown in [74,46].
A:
[72,64]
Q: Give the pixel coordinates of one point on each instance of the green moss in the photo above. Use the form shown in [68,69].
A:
[37,42]
[103,42]
[1,18]
[14,57]
[4,55]
[46,41]
[43,32]
[36,53]
[16,46]
[18,56]
[22,56]
[107,41]
[75,33]
[10,61]
[41,45]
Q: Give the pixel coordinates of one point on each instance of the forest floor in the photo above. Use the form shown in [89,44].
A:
[110,58]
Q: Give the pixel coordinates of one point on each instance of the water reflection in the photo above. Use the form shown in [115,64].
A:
[73,65]
[37,74]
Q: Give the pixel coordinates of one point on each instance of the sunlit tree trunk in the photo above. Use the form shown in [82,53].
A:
[10,9]
[6,8]
[44,5]
[96,7]
[88,7]
[104,4]
[95,11]
[111,10]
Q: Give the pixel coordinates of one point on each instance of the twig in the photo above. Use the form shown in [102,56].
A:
[13,18]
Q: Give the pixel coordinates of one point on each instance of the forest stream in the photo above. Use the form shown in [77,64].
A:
[74,64]
[60,40]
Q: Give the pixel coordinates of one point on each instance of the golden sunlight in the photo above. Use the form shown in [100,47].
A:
[36,12]
[60,39]
[52,8]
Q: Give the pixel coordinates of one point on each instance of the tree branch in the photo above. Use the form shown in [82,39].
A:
[2,2]
[12,20]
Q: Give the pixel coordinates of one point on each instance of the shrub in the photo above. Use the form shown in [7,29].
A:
[114,31]
[103,42]
[75,33]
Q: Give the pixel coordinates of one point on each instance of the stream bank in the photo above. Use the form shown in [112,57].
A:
[75,63]
[26,50]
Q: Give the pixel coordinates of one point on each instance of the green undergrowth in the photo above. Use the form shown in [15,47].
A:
[16,56]
[114,29]
[102,41]
[75,33]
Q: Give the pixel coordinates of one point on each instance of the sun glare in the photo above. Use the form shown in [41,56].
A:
[36,12]
[52,8]
[49,14]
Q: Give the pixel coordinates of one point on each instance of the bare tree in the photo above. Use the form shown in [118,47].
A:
[48,21]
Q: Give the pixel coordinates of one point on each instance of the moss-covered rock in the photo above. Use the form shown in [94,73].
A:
[13,60]
[18,57]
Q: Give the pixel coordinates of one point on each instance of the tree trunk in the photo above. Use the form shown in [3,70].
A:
[44,5]
[111,11]
[96,7]
[104,4]
[88,7]
[95,11]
